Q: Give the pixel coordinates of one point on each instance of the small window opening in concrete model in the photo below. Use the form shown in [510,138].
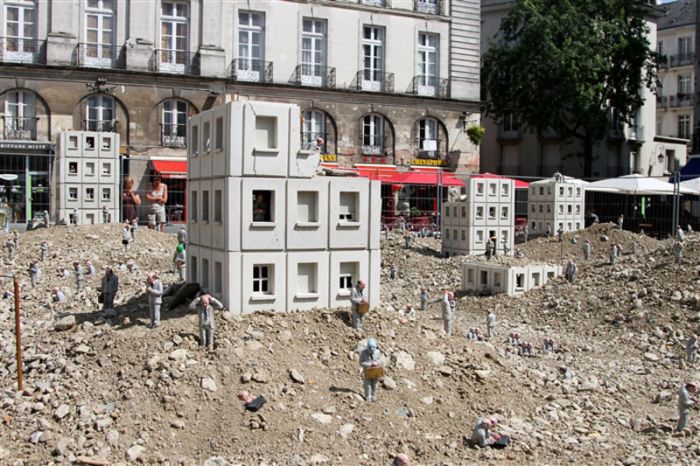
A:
[262,283]
[347,210]
[520,280]
[106,143]
[73,168]
[307,206]
[262,200]
[89,142]
[73,142]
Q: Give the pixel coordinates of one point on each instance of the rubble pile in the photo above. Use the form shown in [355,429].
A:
[108,390]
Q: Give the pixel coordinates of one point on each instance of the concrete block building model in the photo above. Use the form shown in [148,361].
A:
[86,176]
[265,232]
[559,202]
[509,279]
[485,211]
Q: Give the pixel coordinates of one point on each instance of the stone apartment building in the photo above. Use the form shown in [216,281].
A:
[676,42]
[383,82]
[509,150]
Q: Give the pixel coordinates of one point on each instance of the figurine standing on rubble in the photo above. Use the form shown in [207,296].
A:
[10,245]
[678,251]
[424,297]
[571,271]
[34,273]
[691,347]
[126,235]
[154,289]
[205,312]
[357,297]
[44,249]
[370,359]
[685,403]
[180,261]
[613,254]
[491,323]
[448,307]
[79,275]
[586,249]
[110,285]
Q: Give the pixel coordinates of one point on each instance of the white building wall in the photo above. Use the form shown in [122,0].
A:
[557,203]
[508,279]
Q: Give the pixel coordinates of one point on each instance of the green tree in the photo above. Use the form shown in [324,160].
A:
[568,65]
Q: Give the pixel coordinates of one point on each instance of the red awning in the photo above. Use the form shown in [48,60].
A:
[377,172]
[414,177]
[519,184]
[175,169]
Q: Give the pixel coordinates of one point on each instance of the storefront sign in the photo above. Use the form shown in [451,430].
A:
[429,162]
[328,158]
[8,177]
[43,148]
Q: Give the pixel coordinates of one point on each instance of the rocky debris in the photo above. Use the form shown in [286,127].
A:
[296,376]
[65,323]
[135,452]
[208,384]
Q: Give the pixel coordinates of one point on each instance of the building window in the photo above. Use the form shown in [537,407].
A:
[205,206]
[89,194]
[313,52]
[251,46]
[174,32]
[685,48]
[464,235]
[219,134]
[89,169]
[314,127]
[347,208]
[262,202]
[306,277]
[510,123]
[73,194]
[307,206]
[479,236]
[549,208]
[100,113]
[206,136]
[205,275]
[427,64]
[193,207]
[218,206]
[218,278]
[684,85]
[106,194]
[72,168]
[428,139]
[193,266]
[348,271]
[373,58]
[175,123]
[99,34]
[492,189]
[20,115]
[447,233]
[20,32]
[480,188]
[373,135]
[106,169]
[194,143]
[262,283]
[504,213]
[684,126]
[492,213]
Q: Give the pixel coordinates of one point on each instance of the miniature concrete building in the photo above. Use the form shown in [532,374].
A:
[509,279]
[486,210]
[265,232]
[86,176]
[559,202]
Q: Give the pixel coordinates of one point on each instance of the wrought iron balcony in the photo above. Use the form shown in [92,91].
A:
[681,59]
[428,149]
[109,126]
[23,129]
[680,100]
[172,61]
[635,133]
[374,146]
[97,56]
[20,50]
[430,86]
[374,81]
[509,134]
[311,75]
[308,140]
[173,135]
[662,101]
[257,71]
[434,7]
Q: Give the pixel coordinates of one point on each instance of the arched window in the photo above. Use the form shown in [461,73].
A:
[372,138]
[315,124]
[20,115]
[431,138]
[174,123]
[100,113]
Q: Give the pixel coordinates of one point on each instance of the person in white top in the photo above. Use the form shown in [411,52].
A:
[157,197]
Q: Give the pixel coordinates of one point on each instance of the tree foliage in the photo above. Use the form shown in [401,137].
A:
[564,65]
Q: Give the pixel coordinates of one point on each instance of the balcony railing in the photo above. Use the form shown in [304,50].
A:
[508,134]
[436,7]
[308,140]
[19,128]
[680,100]
[173,135]
[374,81]
[172,61]
[376,147]
[378,3]
[428,149]
[662,101]
[308,74]
[109,126]
[257,71]
[19,50]
[635,133]
[430,86]
[681,59]
[97,56]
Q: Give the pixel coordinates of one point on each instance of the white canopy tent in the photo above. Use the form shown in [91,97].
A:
[693,184]
[638,185]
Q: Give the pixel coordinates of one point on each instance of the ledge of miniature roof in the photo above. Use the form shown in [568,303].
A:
[519,184]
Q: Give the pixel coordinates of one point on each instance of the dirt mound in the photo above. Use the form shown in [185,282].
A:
[110,389]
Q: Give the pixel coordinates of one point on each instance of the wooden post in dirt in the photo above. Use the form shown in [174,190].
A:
[18,338]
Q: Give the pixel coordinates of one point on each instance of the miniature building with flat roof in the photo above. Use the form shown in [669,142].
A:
[558,202]
[486,210]
[480,277]
[87,174]
[265,232]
